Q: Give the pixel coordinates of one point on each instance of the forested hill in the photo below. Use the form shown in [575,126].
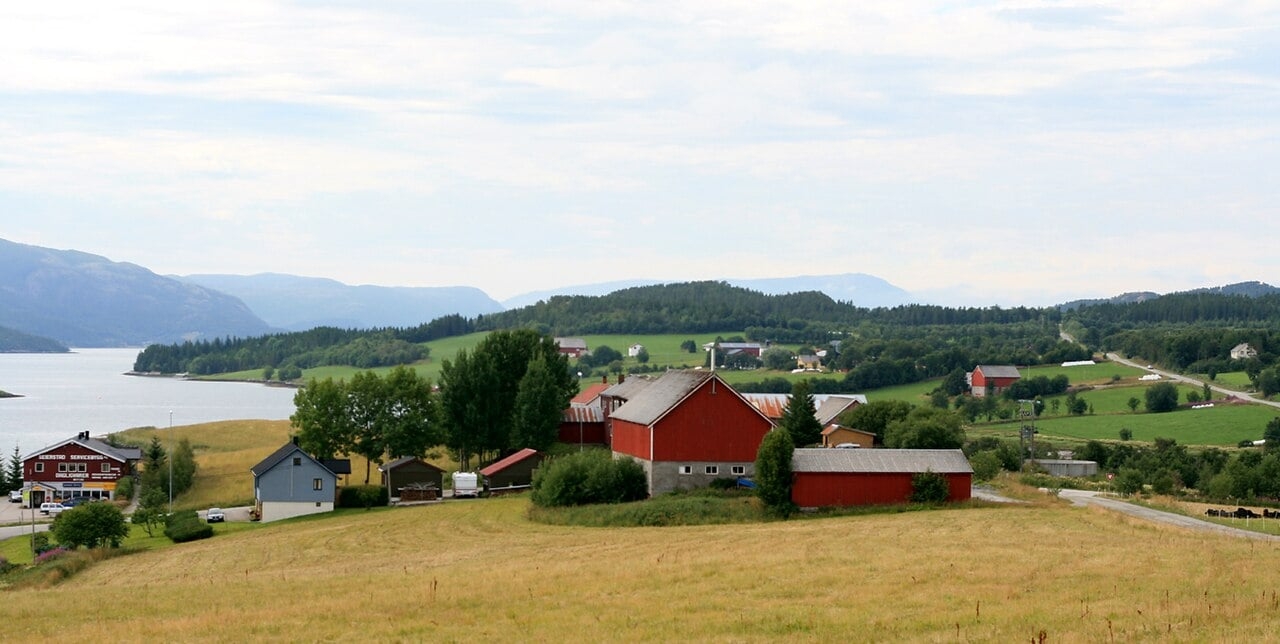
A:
[12,341]
[694,307]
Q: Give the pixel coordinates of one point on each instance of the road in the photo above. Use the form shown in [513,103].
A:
[1176,377]
[1087,498]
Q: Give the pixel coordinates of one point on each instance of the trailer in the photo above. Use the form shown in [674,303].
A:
[466,484]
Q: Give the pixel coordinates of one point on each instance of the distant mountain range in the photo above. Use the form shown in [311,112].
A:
[300,303]
[84,300]
[50,299]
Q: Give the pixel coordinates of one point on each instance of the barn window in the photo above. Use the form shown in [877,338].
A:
[39,467]
[62,467]
[317,484]
[713,469]
[297,460]
[739,470]
[106,467]
[686,469]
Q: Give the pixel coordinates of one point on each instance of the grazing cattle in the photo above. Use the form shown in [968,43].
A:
[1213,512]
[1270,514]
[1246,513]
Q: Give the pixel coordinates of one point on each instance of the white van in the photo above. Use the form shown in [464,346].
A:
[52,508]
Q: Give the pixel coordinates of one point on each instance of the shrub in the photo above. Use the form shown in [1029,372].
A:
[186,526]
[724,483]
[929,487]
[1126,433]
[92,525]
[593,476]
[362,496]
[124,488]
[40,542]
[986,465]
[773,471]
[50,554]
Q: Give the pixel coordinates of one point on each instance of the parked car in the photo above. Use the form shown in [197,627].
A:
[52,508]
[76,500]
[15,496]
[215,515]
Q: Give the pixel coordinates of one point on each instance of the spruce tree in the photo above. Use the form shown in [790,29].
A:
[799,417]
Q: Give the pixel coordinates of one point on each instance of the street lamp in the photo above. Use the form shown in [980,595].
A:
[170,461]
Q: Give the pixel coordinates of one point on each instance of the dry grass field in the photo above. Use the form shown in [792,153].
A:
[476,570]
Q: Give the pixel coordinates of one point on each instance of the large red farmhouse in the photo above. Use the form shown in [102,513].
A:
[686,428]
[842,477]
[79,466]
[992,378]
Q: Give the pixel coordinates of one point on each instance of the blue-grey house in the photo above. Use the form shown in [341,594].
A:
[290,483]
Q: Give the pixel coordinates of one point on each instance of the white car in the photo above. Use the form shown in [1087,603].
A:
[215,515]
[52,508]
[15,496]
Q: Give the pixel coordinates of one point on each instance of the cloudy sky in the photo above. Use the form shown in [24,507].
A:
[990,153]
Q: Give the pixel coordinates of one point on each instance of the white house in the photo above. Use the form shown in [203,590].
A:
[1243,351]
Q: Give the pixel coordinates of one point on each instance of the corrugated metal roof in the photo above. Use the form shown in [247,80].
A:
[582,414]
[942,461]
[404,460]
[571,343]
[662,394]
[998,371]
[826,406]
[498,466]
[122,454]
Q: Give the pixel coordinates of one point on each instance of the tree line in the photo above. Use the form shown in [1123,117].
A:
[505,394]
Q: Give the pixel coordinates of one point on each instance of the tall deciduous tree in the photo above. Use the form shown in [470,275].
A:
[926,428]
[367,406]
[324,426]
[538,405]
[875,416]
[478,390]
[1162,397]
[184,466]
[799,419]
[412,425]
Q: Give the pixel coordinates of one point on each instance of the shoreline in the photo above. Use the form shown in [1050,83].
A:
[183,376]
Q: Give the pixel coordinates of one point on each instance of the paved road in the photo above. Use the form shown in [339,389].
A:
[1086,498]
[1177,377]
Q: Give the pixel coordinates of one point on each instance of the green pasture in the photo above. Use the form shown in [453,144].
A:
[1100,373]
[1237,380]
[1221,425]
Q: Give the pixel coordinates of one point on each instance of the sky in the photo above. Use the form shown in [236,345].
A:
[999,153]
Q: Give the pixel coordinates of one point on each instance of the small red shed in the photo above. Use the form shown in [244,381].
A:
[995,378]
[844,477]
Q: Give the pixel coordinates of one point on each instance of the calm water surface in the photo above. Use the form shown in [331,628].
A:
[64,394]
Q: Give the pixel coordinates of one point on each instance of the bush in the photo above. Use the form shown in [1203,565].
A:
[186,526]
[91,525]
[986,465]
[593,476]
[724,483]
[124,489]
[362,496]
[773,472]
[929,487]
[1126,433]
[40,542]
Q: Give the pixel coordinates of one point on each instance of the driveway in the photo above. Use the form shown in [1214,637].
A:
[1087,498]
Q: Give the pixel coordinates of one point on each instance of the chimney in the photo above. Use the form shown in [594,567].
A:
[621,377]
[294,440]
[604,379]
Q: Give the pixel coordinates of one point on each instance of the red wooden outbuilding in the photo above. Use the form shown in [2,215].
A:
[845,477]
[993,378]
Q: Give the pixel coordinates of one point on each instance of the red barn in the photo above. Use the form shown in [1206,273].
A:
[79,466]
[843,477]
[688,428]
[995,378]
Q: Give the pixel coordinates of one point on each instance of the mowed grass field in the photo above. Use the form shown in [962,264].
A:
[478,570]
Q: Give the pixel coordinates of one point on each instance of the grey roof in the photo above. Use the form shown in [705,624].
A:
[402,461]
[661,395]
[118,453]
[998,371]
[279,455]
[833,406]
[571,343]
[629,388]
[337,465]
[942,461]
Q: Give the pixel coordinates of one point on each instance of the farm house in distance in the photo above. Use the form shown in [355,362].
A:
[992,378]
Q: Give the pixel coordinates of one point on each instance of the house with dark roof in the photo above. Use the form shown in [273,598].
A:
[992,379]
[410,478]
[686,429]
[513,471]
[845,477]
[76,467]
[291,483]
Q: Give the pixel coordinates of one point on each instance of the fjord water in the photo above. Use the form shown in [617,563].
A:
[66,393]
